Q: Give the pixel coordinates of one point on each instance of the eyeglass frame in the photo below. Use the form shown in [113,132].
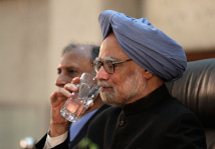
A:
[111,62]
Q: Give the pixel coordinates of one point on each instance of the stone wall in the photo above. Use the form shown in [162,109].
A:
[189,22]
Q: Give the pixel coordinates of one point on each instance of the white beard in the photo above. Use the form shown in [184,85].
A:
[130,88]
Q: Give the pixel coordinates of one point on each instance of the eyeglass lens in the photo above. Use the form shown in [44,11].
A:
[108,66]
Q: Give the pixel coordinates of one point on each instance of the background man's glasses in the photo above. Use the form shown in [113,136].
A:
[108,65]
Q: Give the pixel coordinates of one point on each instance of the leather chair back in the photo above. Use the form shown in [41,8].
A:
[196,90]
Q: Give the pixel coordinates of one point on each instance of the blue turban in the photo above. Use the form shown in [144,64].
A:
[147,46]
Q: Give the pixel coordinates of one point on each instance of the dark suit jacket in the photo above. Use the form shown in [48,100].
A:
[157,121]
[82,133]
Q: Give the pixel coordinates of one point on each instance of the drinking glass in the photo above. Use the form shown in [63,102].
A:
[75,106]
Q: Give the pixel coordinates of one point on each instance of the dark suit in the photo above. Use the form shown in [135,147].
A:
[157,121]
[82,133]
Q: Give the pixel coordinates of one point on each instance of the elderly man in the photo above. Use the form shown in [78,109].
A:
[75,60]
[135,60]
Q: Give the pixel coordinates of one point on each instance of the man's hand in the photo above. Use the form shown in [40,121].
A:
[59,125]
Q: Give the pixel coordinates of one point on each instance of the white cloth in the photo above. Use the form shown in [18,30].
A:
[54,141]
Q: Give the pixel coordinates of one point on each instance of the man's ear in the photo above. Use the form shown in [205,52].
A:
[148,75]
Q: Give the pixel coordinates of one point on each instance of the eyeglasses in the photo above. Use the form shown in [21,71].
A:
[108,65]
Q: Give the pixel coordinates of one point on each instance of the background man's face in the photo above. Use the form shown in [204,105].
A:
[73,64]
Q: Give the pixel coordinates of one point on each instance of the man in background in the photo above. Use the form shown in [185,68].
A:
[76,59]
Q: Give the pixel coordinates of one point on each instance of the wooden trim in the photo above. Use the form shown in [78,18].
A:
[193,56]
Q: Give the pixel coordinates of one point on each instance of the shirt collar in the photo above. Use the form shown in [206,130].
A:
[147,101]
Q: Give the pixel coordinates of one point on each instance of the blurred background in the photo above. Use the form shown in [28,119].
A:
[34,32]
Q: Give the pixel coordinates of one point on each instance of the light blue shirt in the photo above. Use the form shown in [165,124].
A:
[77,126]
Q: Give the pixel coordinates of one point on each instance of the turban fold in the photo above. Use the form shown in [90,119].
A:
[148,46]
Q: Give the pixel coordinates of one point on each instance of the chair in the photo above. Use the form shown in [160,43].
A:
[196,90]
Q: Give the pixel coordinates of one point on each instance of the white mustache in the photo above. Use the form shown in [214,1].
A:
[103,84]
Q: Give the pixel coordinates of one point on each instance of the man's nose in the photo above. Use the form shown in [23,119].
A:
[62,80]
[102,74]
